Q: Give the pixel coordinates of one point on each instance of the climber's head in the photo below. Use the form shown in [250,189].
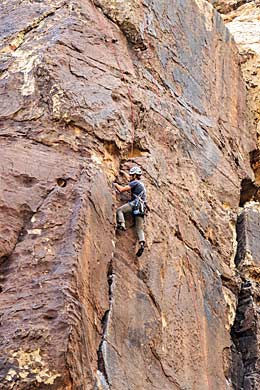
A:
[135,173]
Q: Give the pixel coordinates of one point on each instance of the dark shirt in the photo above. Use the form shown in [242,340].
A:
[137,188]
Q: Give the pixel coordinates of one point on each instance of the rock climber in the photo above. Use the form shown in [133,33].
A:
[136,205]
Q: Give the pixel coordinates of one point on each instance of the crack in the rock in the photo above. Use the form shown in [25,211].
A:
[237,375]
[87,55]
[169,377]
[79,76]
[231,7]
[4,260]
[201,231]
[153,299]
[178,235]
[94,206]
[133,36]
[87,60]
[232,284]
[60,146]
[35,24]
[243,333]
[243,371]
[105,323]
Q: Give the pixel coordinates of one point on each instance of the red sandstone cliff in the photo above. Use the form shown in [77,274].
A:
[89,88]
[243,20]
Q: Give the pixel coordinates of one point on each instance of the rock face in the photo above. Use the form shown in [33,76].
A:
[89,88]
[242,19]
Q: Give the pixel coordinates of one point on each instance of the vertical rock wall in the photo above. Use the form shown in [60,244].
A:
[89,88]
[242,19]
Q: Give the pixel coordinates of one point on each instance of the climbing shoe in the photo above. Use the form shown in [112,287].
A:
[121,226]
[140,250]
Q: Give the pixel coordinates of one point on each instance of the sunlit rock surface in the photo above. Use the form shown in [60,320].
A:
[89,88]
[243,20]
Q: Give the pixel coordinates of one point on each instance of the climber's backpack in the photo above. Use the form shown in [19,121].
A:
[138,206]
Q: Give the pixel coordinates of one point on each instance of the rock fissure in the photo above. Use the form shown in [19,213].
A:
[245,374]
[82,84]
[168,376]
[244,332]
[231,6]
[23,230]
[102,364]
[153,299]
[179,236]
[127,25]
[18,40]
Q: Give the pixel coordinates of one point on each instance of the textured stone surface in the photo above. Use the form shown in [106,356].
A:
[89,88]
[248,231]
[243,20]
[245,331]
[226,6]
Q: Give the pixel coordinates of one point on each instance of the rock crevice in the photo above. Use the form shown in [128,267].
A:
[82,100]
[102,360]
[244,332]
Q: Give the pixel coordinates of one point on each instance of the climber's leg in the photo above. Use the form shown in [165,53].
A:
[120,218]
[139,225]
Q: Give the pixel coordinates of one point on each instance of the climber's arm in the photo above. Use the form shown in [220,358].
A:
[122,188]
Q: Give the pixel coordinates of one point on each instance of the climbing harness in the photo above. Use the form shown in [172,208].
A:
[138,207]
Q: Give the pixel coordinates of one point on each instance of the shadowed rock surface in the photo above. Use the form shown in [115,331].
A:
[242,19]
[89,88]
